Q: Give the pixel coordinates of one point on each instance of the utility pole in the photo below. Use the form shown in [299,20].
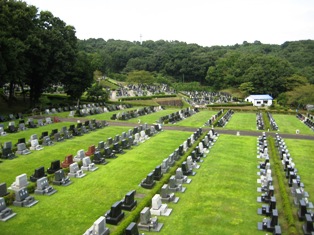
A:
[141,39]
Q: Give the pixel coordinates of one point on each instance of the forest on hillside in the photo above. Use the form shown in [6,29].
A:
[40,51]
[251,67]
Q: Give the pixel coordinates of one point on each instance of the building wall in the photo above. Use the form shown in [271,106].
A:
[262,102]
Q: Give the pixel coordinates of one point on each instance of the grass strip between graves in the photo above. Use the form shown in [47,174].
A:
[146,202]
[286,205]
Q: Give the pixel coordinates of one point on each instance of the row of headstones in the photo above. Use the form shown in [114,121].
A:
[84,106]
[178,116]
[213,118]
[205,98]
[136,113]
[48,140]
[270,222]
[300,197]
[19,186]
[11,117]
[225,118]
[308,121]
[97,110]
[143,90]
[259,121]
[114,216]
[22,126]
[175,182]
[272,122]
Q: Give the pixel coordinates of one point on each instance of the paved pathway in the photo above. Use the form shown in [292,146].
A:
[192,129]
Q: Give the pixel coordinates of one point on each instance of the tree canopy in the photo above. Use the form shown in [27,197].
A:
[37,50]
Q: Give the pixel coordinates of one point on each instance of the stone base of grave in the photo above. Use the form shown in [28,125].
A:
[185,180]
[28,202]
[77,175]
[163,210]
[62,183]
[148,186]
[129,207]
[191,173]
[8,214]
[148,227]
[101,162]
[45,191]
[196,166]
[179,188]
[87,168]
[170,198]
[90,231]
[114,220]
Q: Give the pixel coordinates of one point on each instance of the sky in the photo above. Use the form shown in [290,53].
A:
[204,22]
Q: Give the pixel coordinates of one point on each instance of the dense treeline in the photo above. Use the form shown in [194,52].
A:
[39,51]
[251,67]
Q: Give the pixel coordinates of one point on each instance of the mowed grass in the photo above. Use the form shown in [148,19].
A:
[221,198]
[13,137]
[302,153]
[198,119]
[73,209]
[290,123]
[9,169]
[242,121]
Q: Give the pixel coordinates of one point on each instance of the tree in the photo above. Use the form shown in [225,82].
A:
[16,23]
[96,92]
[301,96]
[247,88]
[77,82]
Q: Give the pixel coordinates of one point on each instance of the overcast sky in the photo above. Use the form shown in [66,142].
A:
[204,22]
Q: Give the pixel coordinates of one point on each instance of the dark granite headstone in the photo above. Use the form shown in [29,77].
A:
[128,203]
[115,214]
[39,173]
[54,166]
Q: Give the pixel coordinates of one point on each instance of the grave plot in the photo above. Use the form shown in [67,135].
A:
[197,119]
[152,117]
[221,199]
[242,121]
[75,208]
[44,157]
[290,124]
[13,137]
[302,152]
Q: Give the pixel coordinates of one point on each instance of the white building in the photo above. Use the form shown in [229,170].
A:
[259,100]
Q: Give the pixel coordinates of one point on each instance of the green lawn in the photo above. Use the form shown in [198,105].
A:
[73,209]
[290,123]
[302,152]
[221,198]
[198,119]
[242,121]
[13,137]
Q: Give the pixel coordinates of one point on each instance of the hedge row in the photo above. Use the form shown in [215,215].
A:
[146,202]
[286,205]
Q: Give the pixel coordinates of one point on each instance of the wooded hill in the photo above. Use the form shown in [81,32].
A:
[252,67]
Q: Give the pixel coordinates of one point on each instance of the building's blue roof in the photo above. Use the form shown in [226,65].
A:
[261,97]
